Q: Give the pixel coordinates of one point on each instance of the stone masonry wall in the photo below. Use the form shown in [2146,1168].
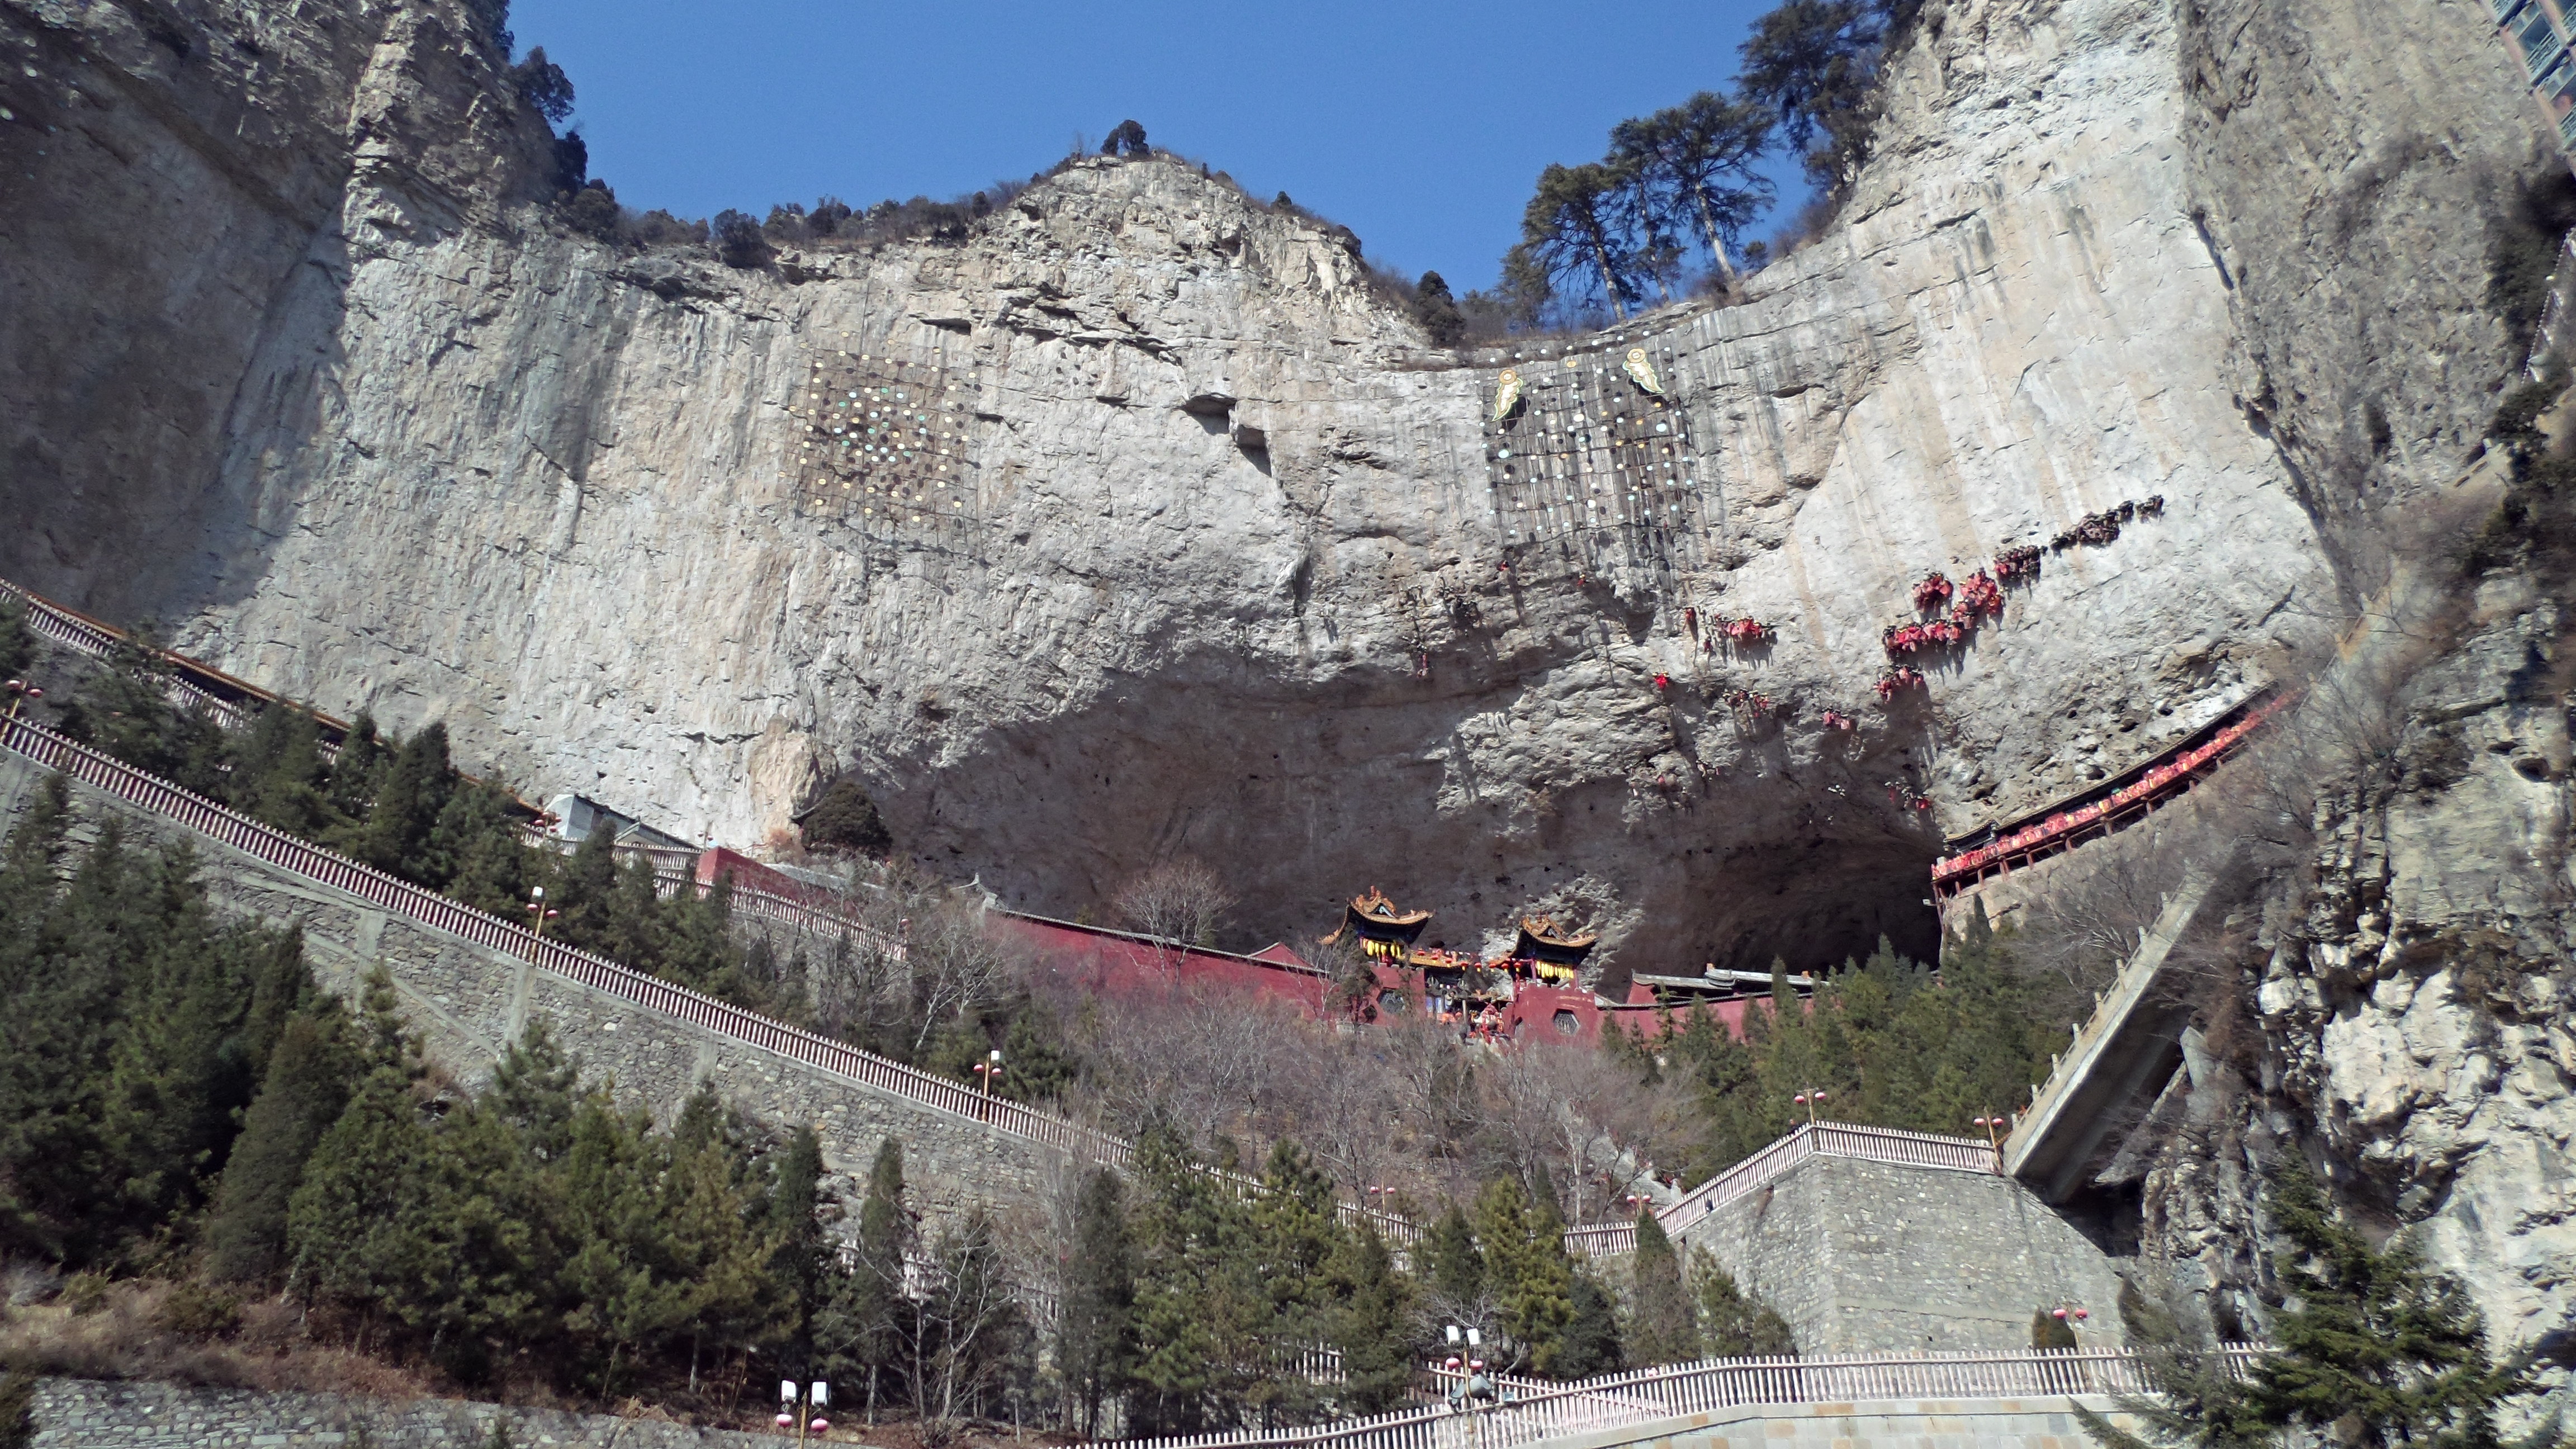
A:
[83,1411]
[469,1001]
[1873,1257]
[2047,1423]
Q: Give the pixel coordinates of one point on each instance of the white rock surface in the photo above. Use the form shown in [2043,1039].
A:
[456,466]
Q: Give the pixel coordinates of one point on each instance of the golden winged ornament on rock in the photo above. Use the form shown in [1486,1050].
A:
[1507,393]
[1642,373]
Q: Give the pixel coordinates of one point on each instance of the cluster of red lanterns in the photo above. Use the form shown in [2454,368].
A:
[1837,720]
[1902,677]
[2018,565]
[1931,594]
[1900,793]
[1979,599]
[1751,702]
[1748,631]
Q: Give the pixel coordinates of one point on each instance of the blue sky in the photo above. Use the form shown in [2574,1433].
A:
[1418,125]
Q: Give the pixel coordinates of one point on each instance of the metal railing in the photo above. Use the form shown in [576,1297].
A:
[1644,1396]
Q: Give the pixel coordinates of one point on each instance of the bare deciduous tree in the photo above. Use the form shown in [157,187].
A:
[1181,902]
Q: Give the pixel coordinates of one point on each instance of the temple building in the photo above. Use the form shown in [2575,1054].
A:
[1381,932]
[1552,956]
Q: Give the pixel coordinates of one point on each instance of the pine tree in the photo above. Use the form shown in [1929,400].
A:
[1590,1342]
[1663,1328]
[1296,1232]
[2374,1347]
[357,1224]
[477,842]
[306,1088]
[1533,1280]
[1199,1312]
[1373,1328]
[800,1216]
[17,641]
[856,1331]
[354,779]
[279,776]
[2048,1332]
[1096,1337]
[1457,1277]
[56,1169]
[403,818]
[1732,1325]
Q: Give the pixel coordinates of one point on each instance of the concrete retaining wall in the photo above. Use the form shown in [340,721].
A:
[1971,1424]
[1874,1257]
[83,1412]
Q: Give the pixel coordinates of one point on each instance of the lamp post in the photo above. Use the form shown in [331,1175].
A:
[537,908]
[20,691]
[1808,1099]
[1992,1124]
[988,1069]
[802,1407]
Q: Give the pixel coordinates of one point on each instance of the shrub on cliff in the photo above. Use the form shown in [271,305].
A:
[738,241]
[1437,311]
[846,819]
[1126,139]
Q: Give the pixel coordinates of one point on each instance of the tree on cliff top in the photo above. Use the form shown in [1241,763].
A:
[1568,229]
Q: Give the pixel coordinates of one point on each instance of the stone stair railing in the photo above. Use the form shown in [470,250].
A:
[2041,1134]
[1646,1396]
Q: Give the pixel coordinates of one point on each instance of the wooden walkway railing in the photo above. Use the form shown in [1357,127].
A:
[2063,830]
[1645,1396]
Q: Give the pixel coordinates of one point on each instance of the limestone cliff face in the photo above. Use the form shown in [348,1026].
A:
[1231,579]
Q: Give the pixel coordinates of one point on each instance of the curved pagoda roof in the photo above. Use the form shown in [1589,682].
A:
[1372,917]
[1539,940]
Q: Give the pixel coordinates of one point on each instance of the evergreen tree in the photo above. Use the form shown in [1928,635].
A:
[800,1218]
[1732,1325]
[1663,1328]
[856,1331]
[1200,1307]
[476,840]
[2373,1346]
[354,778]
[2048,1332]
[403,818]
[305,1090]
[1815,63]
[1590,1342]
[1460,1287]
[17,641]
[357,1224]
[1568,230]
[1437,311]
[1295,1230]
[1533,1280]
[1373,1329]
[278,774]
[1096,1337]
[56,1168]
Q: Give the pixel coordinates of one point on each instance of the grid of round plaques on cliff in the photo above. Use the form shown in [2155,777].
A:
[1590,457]
[882,442]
